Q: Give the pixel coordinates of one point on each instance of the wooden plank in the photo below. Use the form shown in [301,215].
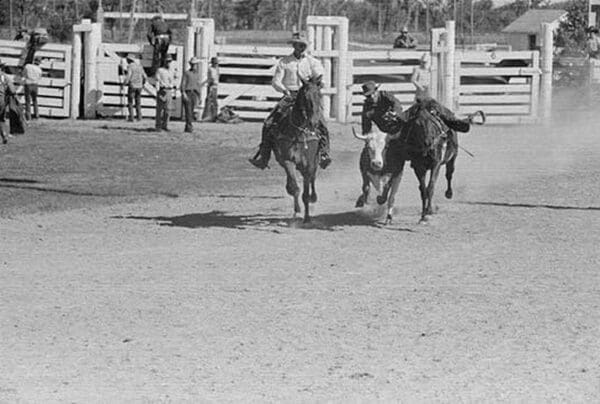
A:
[494,88]
[234,71]
[45,65]
[495,99]
[145,16]
[357,108]
[391,54]
[377,70]
[251,61]
[496,56]
[394,87]
[252,50]
[496,109]
[45,101]
[254,115]
[266,105]
[122,100]
[249,90]
[510,120]
[499,71]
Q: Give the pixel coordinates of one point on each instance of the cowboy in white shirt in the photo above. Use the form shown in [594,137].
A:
[287,80]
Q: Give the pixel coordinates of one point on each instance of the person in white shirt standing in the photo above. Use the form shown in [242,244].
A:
[287,79]
[32,74]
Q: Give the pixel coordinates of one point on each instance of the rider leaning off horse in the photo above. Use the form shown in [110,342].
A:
[384,109]
[289,73]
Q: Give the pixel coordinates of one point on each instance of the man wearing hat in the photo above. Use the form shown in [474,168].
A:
[190,92]
[7,88]
[159,36]
[405,40]
[135,80]
[380,107]
[32,74]
[165,84]
[289,72]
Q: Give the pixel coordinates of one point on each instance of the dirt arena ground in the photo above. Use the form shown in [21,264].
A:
[138,267]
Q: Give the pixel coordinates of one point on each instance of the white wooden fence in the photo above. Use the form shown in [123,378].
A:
[54,94]
[504,85]
[511,87]
[112,100]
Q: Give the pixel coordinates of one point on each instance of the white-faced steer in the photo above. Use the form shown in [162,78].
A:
[374,168]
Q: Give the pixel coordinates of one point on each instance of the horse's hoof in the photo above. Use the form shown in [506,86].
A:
[313,198]
[307,220]
[424,220]
[388,220]
[359,203]
[381,200]
[449,194]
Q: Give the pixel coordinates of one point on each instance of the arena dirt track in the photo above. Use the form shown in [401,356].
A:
[190,282]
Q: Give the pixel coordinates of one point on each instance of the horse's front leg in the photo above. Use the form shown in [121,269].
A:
[449,173]
[306,198]
[421,173]
[395,183]
[435,172]
[291,185]
[313,191]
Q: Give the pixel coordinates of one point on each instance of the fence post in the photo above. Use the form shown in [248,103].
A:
[344,65]
[546,90]
[76,72]
[200,43]
[449,84]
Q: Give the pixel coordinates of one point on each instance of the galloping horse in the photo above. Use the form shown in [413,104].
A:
[296,145]
[428,144]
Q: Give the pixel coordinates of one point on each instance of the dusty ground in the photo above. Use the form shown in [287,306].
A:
[144,268]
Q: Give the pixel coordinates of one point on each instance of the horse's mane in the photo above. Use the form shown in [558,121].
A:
[307,110]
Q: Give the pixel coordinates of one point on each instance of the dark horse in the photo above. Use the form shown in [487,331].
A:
[428,144]
[296,144]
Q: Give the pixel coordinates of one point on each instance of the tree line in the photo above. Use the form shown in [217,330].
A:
[368,16]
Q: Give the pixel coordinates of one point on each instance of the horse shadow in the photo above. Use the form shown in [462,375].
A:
[221,219]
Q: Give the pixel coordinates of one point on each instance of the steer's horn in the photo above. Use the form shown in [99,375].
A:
[359,137]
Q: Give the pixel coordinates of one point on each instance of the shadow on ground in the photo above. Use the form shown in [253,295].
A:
[530,205]
[216,218]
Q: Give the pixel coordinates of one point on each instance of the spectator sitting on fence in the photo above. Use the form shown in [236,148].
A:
[159,36]
[32,74]
[135,80]
[405,40]
[190,92]
[7,90]
[38,37]
[165,84]
[211,106]
[22,34]
[593,43]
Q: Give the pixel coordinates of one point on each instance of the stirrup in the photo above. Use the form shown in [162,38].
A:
[474,114]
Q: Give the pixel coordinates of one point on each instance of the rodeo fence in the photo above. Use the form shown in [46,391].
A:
[87,80]
[54,94]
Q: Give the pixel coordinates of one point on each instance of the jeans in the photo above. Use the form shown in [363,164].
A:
[163,107]
[134,95]
[189,105]
[31,93]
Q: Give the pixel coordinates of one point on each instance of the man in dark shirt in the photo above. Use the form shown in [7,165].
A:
[380,107]
[159,36]
[405,40]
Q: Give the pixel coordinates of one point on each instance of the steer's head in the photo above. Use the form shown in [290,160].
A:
[376,143]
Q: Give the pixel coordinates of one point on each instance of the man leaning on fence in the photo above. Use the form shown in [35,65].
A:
[289,71]
[32,74]
[135,80]
[165,84]
[159,36]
